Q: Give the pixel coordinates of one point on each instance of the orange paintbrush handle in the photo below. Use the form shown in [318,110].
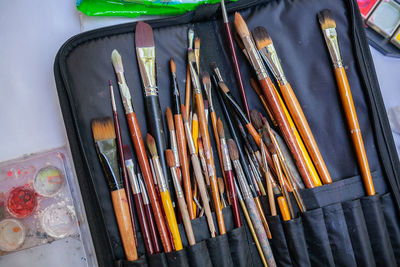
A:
[170,214]
[302,125]
[283,207]
[355,131]
[121,211]
[182,149]
[271,95]
[140,150]
[210,163]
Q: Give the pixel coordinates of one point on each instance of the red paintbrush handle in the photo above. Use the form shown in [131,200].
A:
[152,228]
[233,198]
[140,150]
[124,173]
[237,69]
[271,95]
[143,223]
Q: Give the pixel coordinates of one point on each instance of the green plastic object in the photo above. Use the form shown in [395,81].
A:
[136,8]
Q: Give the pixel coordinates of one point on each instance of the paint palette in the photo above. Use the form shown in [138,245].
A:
[382,19]
[35,202]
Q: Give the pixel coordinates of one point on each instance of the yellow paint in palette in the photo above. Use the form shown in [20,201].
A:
[386,18]
[396,38]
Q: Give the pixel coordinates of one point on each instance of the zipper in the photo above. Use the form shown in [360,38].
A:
[385,146]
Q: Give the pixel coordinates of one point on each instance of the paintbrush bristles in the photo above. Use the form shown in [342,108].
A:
[192,57]
[241,26]
[144,35]
[197,43]
[103,129]
[223,87]
[206,78]
[170,120]
[117,61]
[233,151]
[326,19]
[220,128]
[261,37]
[172,65]
[170,158]
[256,119]
[151,144]
[221,185]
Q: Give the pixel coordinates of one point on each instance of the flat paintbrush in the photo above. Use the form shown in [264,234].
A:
[106,148]
[136,137]
[267,51]
[273,100]
[146,57]
[328,27]
[188,88]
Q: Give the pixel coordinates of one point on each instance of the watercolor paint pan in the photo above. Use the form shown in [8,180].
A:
[396,38]
[381,19]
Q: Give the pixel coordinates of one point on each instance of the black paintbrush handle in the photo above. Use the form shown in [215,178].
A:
[156,126]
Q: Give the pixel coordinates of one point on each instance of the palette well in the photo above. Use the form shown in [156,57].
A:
[386,18]
[35,202]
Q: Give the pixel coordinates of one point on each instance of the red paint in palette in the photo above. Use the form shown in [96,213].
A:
[366,6]
[21,202]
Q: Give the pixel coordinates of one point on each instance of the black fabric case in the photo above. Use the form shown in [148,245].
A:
[342,226]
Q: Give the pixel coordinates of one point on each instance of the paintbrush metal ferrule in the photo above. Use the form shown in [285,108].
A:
[195,78]
[254,57]
[130,167]
[178,188]
[331,39]
[124,92]
[224,14]
[174,147]
[146,59]
[159,173]
[270,57]
[217,73]
[225,155]
[143,189]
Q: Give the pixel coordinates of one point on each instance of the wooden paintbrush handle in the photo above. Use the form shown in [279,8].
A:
[121,211]
[355,131]
[210,163]
[152,229]
[262,216]
[260,231]
[186,221]
[302,125]
[170,214]
[182,150]
[271,198]
[273,101]
[283,207]
[140,150]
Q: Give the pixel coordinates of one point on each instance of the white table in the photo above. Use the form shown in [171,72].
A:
[30,118]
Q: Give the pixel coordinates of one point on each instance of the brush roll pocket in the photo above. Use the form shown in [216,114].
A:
[198,255]
[278,242]
[141,262]
[296,242]
[392,223]
[157,260]
[238,246]
[178,258]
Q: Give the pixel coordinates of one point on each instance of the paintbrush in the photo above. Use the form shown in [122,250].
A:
[140,150]
[234,59]
[250,225]
[146,57]
[296,192]
[229,174]
[203,162]
[188,81]
[137,197]
[271,96]
[206,142]
[149,215]
[122,159]
[106,148]
[251,205]
[197,53]
[180,198]
[328,27]
[164,193]
[172,140]
[268,52]
[271,198]
[195,130]
[181,138]
[198,175]
[208,90]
